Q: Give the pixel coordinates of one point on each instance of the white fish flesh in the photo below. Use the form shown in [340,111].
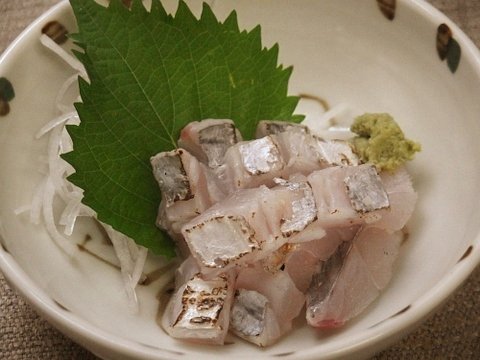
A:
[302,262]
[249,225]
[274,127]
[186,187]
[231,231]
[402,198]
[208,140]
[348,195]
[199,310]
[253,163]
[250,164]
[265,305]
[345,284]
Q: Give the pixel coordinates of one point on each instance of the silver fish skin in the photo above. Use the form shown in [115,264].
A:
[334,197]
[265,305]
[248,313]
[199,310]
[209,139]
[304,210]
[172,178]
[187,190]
[302,262]
[274,127]
[253,163]
[366,191]
[250,164]
[304,152]
[352,278]
[336,153]
[229,232]
[245,227]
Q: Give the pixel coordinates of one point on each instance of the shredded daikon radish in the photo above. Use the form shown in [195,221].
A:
[324,122]
[62,119]
[61,94]
[64,55]
[55,186]
[47,209]
[132,259]
[22,209]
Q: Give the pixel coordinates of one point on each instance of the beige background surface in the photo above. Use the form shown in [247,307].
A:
[452,333]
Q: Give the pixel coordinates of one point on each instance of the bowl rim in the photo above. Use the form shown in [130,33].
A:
[100,341]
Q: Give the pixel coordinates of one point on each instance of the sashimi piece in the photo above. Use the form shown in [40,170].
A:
[301,263]
[208,140]
[237,230]
[402,198]
[348,195]
[283,153]
[186,187]
[250,164]
[274,127]
[303,208]
[199,310]
[228,232]
[299,144]
[249,225]
[265,305]
[351,279]
[304,152]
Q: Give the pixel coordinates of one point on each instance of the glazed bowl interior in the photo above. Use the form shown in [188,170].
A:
[345,52]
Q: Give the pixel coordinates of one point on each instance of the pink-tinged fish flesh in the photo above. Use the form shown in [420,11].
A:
[348,195]
[304,152]
[274,127]
[265,305]
[199,310]
[345,284]
[402,198]
[252,163]
[303,208]
[208,140]
[302,262]
[234,230]
[186,187]
[249,225]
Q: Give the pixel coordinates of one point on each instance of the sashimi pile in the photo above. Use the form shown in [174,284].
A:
[268,227]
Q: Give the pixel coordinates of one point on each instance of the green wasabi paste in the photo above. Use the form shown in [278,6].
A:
[380,141]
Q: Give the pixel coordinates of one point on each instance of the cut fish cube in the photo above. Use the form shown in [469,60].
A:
[265,305]
[208,140]
[351,279]
[199,310]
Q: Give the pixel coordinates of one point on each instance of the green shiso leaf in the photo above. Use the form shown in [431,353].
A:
[150,74]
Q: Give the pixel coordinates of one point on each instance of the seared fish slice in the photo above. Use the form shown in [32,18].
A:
[282,154]
[229,232]
[274,127]
[199,310]
[169,171]
[348,195]
[345,284]
[220,240]
[265,305]
[304,210]
[366,191]
[208,140]
[187,190]
[303,261]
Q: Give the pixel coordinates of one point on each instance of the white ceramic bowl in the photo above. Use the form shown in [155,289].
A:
[343,51]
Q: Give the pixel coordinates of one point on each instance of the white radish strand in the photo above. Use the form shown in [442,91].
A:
[64,55]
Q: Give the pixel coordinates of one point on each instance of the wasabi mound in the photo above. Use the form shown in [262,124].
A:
[380,141]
